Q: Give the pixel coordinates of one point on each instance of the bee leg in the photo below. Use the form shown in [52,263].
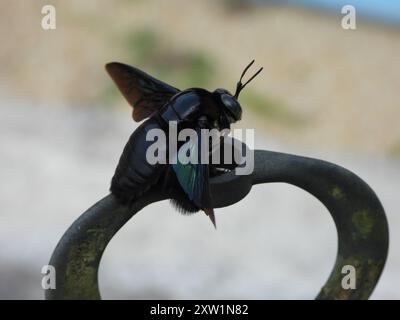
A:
[210,213]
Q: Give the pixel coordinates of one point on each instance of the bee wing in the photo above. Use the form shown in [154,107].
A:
[143,92]
[194,178]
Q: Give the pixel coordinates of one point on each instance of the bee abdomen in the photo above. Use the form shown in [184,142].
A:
[134,174]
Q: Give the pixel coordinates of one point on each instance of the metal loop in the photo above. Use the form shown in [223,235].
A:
[359,217]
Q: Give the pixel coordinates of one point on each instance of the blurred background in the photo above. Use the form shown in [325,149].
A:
[325,92]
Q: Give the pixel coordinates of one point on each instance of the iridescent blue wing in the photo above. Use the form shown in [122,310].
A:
[193,177]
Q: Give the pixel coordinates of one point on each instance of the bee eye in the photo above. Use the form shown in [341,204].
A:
[232,105]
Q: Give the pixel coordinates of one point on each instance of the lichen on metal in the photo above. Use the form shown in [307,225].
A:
[359,217]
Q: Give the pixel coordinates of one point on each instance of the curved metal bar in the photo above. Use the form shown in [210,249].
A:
[77,255]
[358,215]
[363,235]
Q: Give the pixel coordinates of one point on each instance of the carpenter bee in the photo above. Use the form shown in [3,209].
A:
[160,103]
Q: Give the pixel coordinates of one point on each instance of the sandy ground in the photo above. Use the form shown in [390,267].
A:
[277,243]
[344,83]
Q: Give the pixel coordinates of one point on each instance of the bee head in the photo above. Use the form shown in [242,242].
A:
[231,108]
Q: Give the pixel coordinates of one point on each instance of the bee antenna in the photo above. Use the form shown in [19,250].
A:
[239,85]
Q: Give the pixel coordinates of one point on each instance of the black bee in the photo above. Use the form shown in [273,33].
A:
[161,103]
